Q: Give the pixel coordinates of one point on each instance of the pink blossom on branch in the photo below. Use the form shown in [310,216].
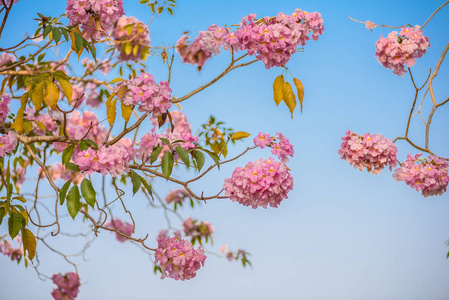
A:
[125,228]
[281,148]
[395,51]
[371,151]
[132,39]
[430,176]
[4,107]
[178,259]
[259,184]
[194,228]
[96,17]
[67,286]
[8,143]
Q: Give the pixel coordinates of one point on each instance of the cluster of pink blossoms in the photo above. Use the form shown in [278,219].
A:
[371,151]
[133,38]
[154,98]
[96,17]
[194,228]
[4,108]
[164,233]
[178,259]
[58,171]
[113,159]
[78,125]
[281,148]
[8,143]
[6,58]
[271,40]
[125,228]
[260,183]
[177,196]
[181,131]
[67,286]
[7,249]
[430,176]
[395,51]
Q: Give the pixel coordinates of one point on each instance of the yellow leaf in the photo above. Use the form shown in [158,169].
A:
[239,135]
[128,48]
[111,111]
[122,91]
[299,90]
[118,79]
[135,50]
[29,242]
[289,97]
[27,126]
[25,216]
[37,95]
[278,89]
[51,95]
[40,125]
[18,121]
[67,88]
[126,112]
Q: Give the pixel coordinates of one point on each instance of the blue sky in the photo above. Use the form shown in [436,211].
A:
[342,233]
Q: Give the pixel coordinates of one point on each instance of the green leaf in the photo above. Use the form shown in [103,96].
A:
[73,201]
[29,242]
[147,186]
[88,192]
[67,154]
[91,144]
[72,167]
[167,164]
[184,155]
[14,224]
[214,157]
[83,145]
[160,10]
[165,141]
[136,182]
[2,214]
[170,10]
[78,41]
[155,154]
[56,35]
[63,191]
[47,30]
[199,157]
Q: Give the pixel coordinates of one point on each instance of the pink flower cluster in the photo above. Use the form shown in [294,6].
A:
[194,228]
[8,2]
[8,143]
[125,228]
[6,58]
[48,120]
[7,249]
[133,34]
[58,171]
[113,159]
[163,234]
[177,196]
[271,40]
[181,131]
[281,148]
[178,259]
[430,176]
[154,98]
[78,125]
[371,151]
[17,175]
[67,286]
[96,17]
[395,51]
[4,107]
[193,53]
[260,183]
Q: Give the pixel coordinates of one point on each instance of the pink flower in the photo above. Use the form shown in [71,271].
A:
[178,259]
[4,107]
[8,143]
[371,151]
[262,140]
[370,25]
[95,16]
[125,228]
[177,196]
[430,176]
[136,35]
[67,286]
[195,228]
[395,51]
[7,249]
[259,184]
